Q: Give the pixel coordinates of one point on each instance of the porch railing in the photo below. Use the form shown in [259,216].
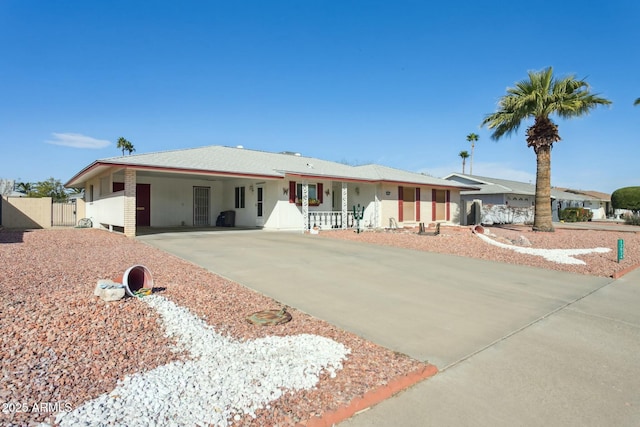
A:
[326,220]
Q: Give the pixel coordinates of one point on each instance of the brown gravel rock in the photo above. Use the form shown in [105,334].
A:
[462,242]
[60,345]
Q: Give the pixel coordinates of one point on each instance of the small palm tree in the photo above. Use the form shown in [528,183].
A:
[537,98]
[24,187]
[472,138]
[125,145]
[463,155]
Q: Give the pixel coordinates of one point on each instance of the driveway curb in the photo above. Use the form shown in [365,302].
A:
[619,274]
[371,398]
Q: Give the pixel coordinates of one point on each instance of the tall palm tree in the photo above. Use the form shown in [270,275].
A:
[472,138]
[463,155]
[537,98]
[637,101]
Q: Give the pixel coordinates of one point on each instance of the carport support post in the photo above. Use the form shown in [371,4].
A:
[305,206]
[344,206]
[130,203]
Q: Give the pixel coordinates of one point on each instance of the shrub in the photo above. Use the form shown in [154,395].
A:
[575,215]
[626,198]
[632,219]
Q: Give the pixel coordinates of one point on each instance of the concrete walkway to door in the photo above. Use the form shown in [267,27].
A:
[438,308]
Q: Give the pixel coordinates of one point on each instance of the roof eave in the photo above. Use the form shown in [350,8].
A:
[73,182]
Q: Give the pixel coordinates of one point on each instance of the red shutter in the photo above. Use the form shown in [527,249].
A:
[448,208]
[320,193]
[417,204]
[400,201]
[433,205]
[292,191]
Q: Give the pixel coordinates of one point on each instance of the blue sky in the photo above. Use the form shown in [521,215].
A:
[396,83]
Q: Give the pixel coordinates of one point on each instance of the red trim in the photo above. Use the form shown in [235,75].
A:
[433,205]
[320,193]
[400,204]
[417,204]
[292,191]
[448,205]
[167,169]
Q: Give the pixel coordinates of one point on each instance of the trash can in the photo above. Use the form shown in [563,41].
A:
[220,220]
[229,218]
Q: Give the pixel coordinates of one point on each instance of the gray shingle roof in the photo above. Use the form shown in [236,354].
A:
[241,161]
[488,185]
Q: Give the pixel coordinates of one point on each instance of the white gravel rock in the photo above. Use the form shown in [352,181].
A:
[224,380]
[562,256]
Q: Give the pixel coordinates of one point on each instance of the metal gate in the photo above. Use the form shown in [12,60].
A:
[63,214]
[200,206]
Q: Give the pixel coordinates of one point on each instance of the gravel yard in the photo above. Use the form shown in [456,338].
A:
[61,347]
[461,241]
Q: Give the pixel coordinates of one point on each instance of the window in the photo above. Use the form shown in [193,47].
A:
[313,192]
[315,195]
[239,197]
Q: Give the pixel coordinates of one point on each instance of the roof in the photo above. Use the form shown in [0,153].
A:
[605,197]
[236,161]
[488,185]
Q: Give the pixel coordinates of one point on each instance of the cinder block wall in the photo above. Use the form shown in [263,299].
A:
[26,212]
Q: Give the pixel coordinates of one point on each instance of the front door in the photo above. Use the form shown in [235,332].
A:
[259,206]
[143,205]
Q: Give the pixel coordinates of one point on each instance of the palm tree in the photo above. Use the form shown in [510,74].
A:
[637,101]
[463,155]
[472,138]
[24,187]
[538,98]
[125,145]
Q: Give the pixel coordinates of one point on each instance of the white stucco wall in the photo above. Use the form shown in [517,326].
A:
[172,200]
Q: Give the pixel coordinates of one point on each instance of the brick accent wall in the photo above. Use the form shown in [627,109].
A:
[130,203]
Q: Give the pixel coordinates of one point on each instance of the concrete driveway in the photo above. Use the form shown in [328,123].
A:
[515,345]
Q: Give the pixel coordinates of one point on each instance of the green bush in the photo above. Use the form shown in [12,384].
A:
[632,219]
[575,215]
[626,198]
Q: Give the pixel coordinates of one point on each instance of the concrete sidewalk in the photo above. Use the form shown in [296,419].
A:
[576,367]
[518,339]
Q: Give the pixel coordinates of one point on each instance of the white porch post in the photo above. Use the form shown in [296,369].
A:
[344,205]
[305,206]
[376,209]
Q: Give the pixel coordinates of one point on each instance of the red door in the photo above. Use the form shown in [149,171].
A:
[143,205]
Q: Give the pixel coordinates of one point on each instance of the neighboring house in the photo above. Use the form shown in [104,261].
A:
[598,202]
[278,191]
[519,197]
